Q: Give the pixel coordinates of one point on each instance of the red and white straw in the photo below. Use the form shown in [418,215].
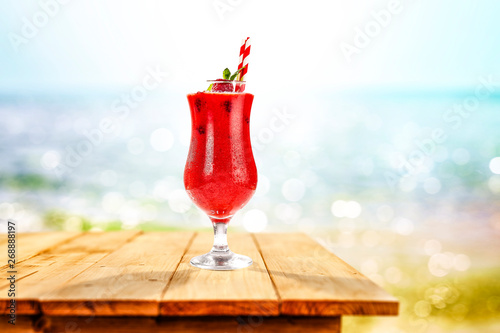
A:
[244,52]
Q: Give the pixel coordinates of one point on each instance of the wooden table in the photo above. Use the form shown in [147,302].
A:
[131,281]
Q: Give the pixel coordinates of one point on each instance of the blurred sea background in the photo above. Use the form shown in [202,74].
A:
[390,157]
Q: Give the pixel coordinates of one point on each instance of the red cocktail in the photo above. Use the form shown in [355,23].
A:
[220,174]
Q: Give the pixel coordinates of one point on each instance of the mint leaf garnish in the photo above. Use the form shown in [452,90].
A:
[236,73]
[226,74]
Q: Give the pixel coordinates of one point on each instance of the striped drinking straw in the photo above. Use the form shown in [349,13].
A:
[243,61]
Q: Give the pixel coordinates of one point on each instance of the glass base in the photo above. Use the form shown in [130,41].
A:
[221,261]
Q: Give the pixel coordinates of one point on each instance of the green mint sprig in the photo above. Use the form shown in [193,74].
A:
[236,73]
[226,75]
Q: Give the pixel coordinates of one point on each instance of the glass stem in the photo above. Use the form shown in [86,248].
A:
[220,237]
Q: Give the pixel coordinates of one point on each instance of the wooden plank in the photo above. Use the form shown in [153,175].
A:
[197,292]
[130,281]
[51,269]
[30,244]
[210,324]
[313,281]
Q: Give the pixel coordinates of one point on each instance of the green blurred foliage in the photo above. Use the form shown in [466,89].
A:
[465,300]
[27,181]
[58,220]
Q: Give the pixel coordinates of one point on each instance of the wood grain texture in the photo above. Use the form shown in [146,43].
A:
[30,244]
[210,324]
[130,273]
[129,281]
[197,292]
[51,269]
[312,281]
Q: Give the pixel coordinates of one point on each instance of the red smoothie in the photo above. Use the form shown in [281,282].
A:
[220,174]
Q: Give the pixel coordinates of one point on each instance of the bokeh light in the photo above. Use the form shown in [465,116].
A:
[461,156]
[403,226]
[263,186]
[112,202]
[161,139]
[179,201]
[293,189]
[50,159]
[350,209]
[495,165]
[432,185]
[255,220]
[432,246]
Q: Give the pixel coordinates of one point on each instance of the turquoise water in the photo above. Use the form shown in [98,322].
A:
[410,154]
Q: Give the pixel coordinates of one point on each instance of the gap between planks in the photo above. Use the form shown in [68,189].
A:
[54,264]
[139,232]
[199,292]
[295,304]
[280,303]
[60,238]
[313,281]
[177,267]
[128,281]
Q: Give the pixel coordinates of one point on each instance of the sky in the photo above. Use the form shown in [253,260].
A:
[97,45]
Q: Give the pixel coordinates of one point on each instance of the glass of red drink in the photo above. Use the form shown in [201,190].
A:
[220,174]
